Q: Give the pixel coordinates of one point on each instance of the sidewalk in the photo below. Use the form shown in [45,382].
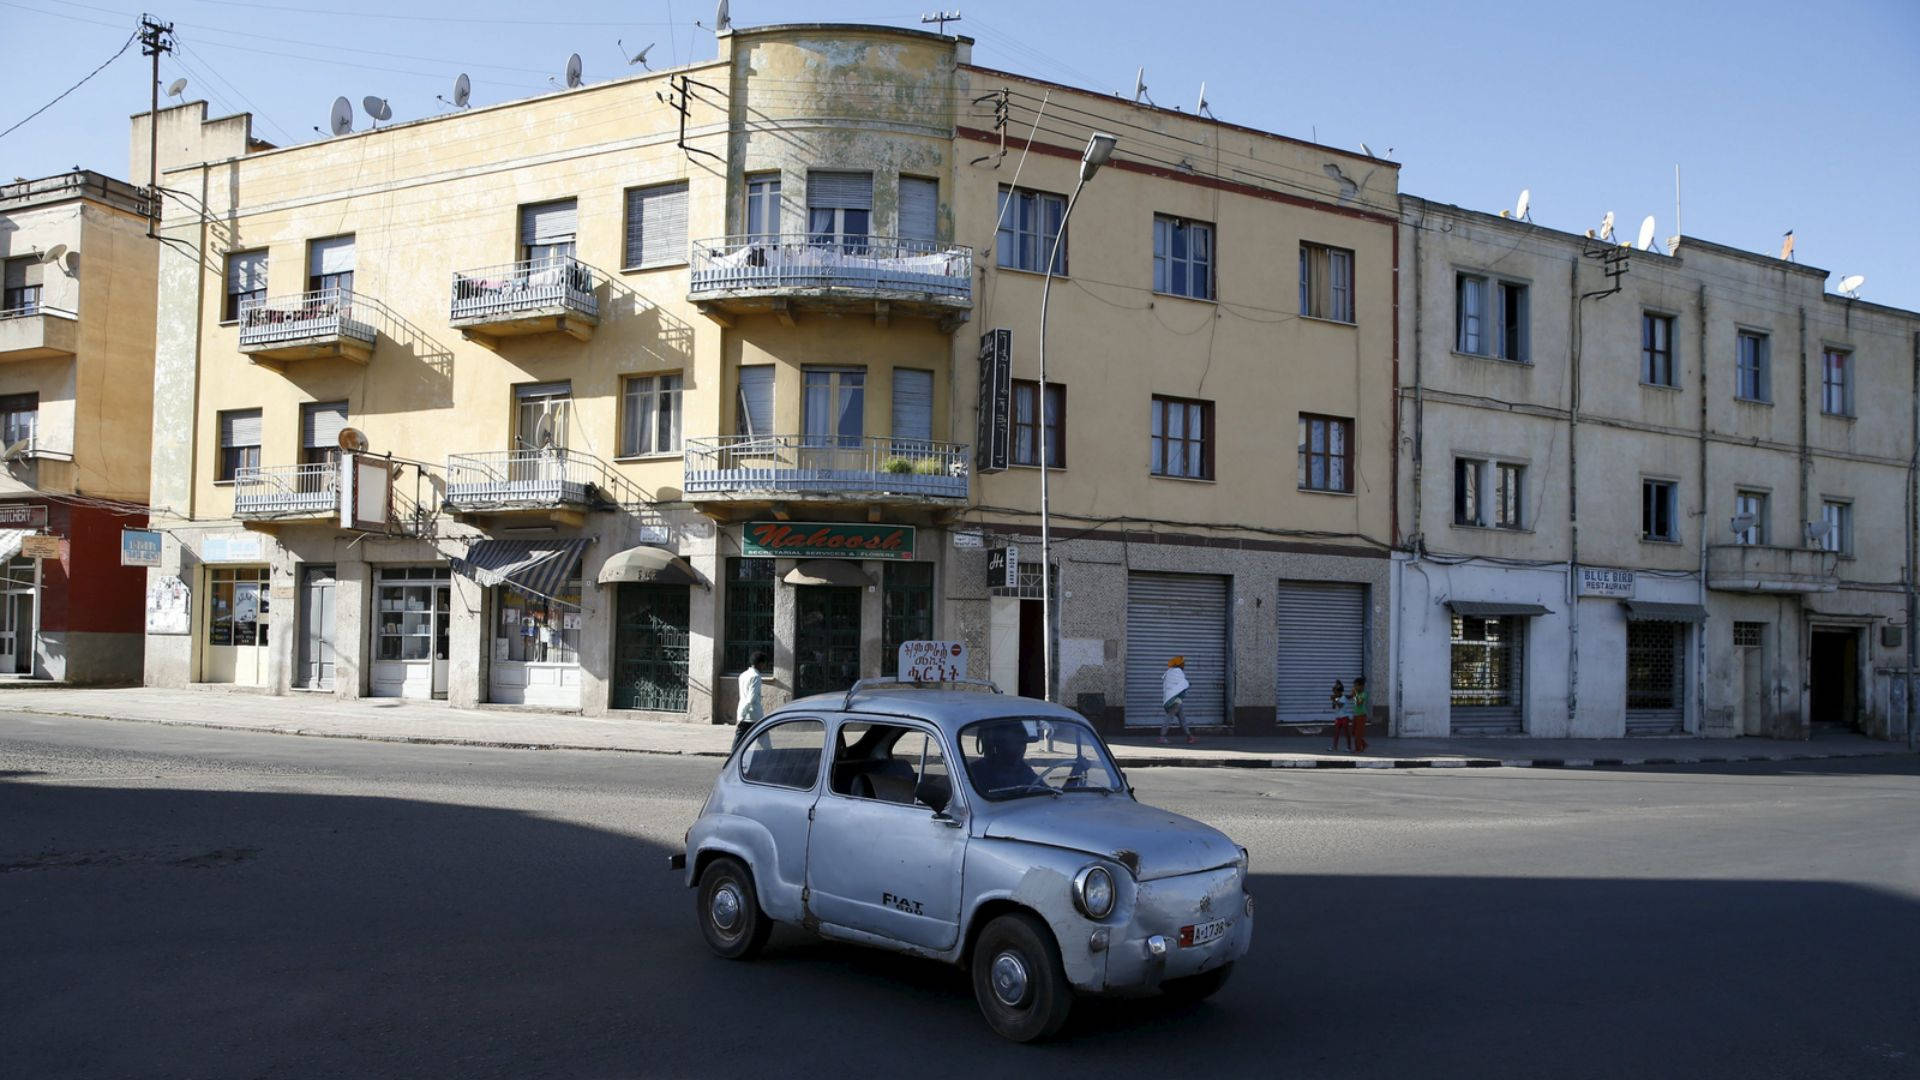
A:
[392,720]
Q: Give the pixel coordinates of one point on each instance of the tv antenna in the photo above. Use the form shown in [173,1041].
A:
[1850,285]
[341,120]
[943,18]
[1645,240]
[1522,207]
[1140,87]
[377,108]
[1200,107]
[462,92]
[637,58]
[176,88]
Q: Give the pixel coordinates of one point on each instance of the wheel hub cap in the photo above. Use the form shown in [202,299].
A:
[1009,978]
[725,907]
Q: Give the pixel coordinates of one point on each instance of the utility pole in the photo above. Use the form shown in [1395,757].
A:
[1913,543]
[156,37]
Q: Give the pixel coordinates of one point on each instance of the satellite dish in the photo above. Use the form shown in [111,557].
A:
[722,21]
[573,71]
[1523,204]
[1200,106]
[1817,530]
[353,440]
[17,449]
[342,119]
[462,91]
[637,58]
[1742,522]
[1367,150]
[1140,87]
[1606,227]
[176,87]
[377,107]
[53,253]
[1850,285]
[543,432]
[1645,241]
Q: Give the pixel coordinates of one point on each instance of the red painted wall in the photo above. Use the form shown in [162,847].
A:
[88,590]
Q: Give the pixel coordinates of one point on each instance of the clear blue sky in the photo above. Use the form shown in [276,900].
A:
[1781,115]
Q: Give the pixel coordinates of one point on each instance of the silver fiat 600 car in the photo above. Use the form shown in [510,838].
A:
[985,830]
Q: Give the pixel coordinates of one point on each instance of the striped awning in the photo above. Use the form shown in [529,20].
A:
[1644,611]
[10,542]
[537,567]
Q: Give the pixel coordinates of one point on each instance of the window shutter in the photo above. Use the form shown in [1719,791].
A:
[756,401]
[331,256]
[240,427]
[912,404]
[657,225]
[246,271]
[320,424]
[919,208]
[16,271]
[840,190]
[549,222]
[563,388]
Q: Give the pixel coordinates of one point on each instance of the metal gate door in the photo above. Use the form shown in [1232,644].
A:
[1656,677]
[650,648]
[826,643]
[1322,636]
[316,627]
[1176,615]
[1488,668]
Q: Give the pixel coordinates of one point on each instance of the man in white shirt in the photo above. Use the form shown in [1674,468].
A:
[750,709]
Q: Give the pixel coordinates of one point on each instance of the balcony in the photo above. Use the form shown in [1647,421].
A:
[556,482]
[876,275]
[1751,568]
[324,325]
[539,296]
[35,332]
[287,492]
[797,467]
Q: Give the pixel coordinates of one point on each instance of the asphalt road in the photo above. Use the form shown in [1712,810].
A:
[192,903]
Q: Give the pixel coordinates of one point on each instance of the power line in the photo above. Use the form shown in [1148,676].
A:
[124,46]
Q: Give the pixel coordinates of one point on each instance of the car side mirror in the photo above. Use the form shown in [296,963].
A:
[933,795]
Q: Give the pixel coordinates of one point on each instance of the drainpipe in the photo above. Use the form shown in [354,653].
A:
[1414,537]
[1806,449]
[1700,631]
[1913,526]
[1573,499]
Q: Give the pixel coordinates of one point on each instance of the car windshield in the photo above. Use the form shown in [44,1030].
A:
[1013,757]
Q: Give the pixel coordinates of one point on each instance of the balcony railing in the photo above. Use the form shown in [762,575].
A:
[533,479]
[287,491]
[327,315]
[879,267]
[1754,568]
[531,287]
[826,466]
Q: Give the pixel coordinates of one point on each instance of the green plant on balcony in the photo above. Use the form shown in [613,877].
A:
[899,466]
[928,467]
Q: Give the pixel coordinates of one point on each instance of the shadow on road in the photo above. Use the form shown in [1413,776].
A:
[214,933]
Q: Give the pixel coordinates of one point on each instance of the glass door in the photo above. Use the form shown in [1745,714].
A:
[826,640]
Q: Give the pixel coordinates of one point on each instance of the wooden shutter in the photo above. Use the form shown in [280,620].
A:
[657,225]
[919,208]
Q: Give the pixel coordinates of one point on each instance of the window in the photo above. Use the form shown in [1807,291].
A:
[1509,496]
[237,605]
[1838,517]
[1659,519]
[1749,635]
[320,425]
[1026,424]
[1326,282]
[834,406]
[1487,662]
[1469,477]
[1475,503]
[1753,506]
[892,764]
[912,409]
[548,230]
[539,629]
[409,625]
[749,612]
[23,277]
[541,403]
[1753,375]
[1491,318]
[906,609]
[785,755]
[753,409]
[1182,257]
[649,414]
[1656,350]
[1326,453]
[239,442]
[763,207]
[330,264]
[919,209]
[246,280]
[1182,438]
[657,225]
[1836,382]
[19,419]
[839,208]
[1029,221]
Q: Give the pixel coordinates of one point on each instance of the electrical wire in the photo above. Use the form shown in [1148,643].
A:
[124,46]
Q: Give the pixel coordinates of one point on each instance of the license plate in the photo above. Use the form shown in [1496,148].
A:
[1204,933]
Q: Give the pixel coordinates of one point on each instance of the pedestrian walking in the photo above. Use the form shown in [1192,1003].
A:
[1342,714]
[750,710]
[1360,704]
[1173,688]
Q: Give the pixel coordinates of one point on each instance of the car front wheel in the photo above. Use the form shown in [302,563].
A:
[729,910]
[1018,979]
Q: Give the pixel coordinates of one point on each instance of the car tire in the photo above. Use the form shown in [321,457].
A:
[1018,979]
[1198,987]
[728,908]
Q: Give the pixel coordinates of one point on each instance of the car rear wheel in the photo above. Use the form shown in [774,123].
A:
[729,910]
[1197,987]
[1018,979]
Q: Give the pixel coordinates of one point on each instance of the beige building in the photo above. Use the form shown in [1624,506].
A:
[638,379]
[76,384]
[1648,491]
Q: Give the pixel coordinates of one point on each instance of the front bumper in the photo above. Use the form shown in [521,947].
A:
[1147,951]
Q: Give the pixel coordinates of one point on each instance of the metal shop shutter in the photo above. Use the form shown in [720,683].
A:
[320,424]
[549,222]
[919,208]
[1322,637]
[1176,615]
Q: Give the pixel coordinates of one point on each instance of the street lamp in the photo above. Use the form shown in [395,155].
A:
[1099,149]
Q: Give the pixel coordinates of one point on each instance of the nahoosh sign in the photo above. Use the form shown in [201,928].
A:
[817,540]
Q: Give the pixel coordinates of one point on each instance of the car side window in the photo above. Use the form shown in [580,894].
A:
[891,763]
[785,755]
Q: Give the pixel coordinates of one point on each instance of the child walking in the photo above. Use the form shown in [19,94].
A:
[1342,714]
[1360,703]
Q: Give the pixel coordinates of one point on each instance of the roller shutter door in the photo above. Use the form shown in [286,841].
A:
[1177,615]
[1322,637]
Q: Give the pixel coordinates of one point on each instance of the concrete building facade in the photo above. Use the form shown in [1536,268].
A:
[1648,491]
[578,401]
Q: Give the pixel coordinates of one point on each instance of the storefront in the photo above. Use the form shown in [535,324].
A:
[236,626]
[1181,615]
[1322,631]
[533,618]
[412,611]
[1487,666]
[654,592]
[19,604]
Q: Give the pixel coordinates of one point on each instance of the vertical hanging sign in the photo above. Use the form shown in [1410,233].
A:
[996,401]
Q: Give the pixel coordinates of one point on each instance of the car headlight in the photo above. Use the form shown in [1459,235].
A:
[1093,891]
[1244,861]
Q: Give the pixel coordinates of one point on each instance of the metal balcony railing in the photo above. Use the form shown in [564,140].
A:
[524,287]
[287,490]
[866,264]
[826,466]
[516,479]
[326,313]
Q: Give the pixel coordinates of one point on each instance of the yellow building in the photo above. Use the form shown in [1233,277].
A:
[673,369]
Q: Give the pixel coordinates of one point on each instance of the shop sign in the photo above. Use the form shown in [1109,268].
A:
[996,401]
[932,661]
[167,607]
[968,540]
[1613,583]
[139,547]
[813,540]
[40,547]
[22,516]
[1003,567]
[230,549]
